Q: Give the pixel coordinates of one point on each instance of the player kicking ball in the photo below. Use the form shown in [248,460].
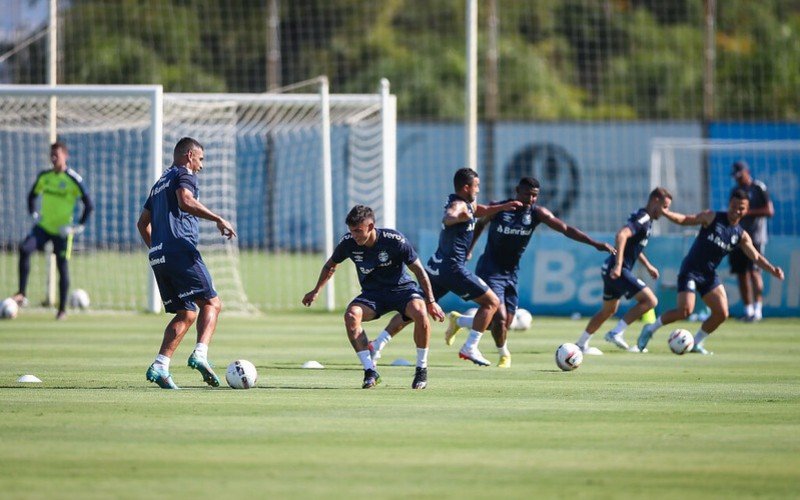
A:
[380,257]
[618,277]
[719,234]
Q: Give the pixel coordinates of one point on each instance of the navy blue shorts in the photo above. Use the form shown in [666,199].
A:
[702,283]
[383,301]
[741,263]
[461,282]
[182,279]
[39,237]
[626,285]
[504,285]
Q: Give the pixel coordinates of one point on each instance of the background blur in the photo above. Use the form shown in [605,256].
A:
[571,91]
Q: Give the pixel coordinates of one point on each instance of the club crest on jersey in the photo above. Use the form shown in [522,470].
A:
[383,256]
[734,239]
[526,219]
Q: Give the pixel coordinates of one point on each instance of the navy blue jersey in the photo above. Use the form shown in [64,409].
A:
[173,230]
[455,240]
[756,227]
[379,267]
[712,244]
[640,225]
[508,237]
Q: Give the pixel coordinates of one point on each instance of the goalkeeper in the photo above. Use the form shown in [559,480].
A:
[60,188]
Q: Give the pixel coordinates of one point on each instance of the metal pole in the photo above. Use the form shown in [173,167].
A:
[273,45]
[327,183]
[52,80]
[389,152]
[471,116]
[491,111]
[156,140]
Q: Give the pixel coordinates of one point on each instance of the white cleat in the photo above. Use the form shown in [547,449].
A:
[591,351]
[475,356]
[635,348]
[617,340]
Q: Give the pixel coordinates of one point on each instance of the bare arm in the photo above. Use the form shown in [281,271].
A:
[324,275]
[651,269]
[143,225]
[456,213]
[620,242]
[570,232]
[490,210]
[701,219]
[747,247]
[189,204]
[767,210]
[479,227]
[430,301]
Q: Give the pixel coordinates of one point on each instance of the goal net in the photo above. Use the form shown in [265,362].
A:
[698,173]
[284,168]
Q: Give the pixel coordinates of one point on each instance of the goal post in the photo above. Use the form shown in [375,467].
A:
[698,173]
[285,167]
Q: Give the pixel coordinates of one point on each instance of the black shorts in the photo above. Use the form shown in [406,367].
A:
[626,285]
[505,287]
[382,301]
[702,283]
[741,263]
[37,239]
[461,282]
[182,278]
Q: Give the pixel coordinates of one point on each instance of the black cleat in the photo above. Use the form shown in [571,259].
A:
[420,378]
[371,379]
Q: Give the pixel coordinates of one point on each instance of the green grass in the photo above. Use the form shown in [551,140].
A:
[622,425]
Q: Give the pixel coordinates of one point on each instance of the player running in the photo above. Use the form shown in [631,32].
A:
[446,267]
[168,226]
[719,235]
[508,237]
[618,277]
[379,256]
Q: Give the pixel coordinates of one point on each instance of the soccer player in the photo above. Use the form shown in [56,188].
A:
[380,256]
[446,267]
[168,225]
[751,286]
[508,236]
[618,277]
[60,188]
[719,235]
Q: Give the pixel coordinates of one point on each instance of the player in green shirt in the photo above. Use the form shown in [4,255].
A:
[59,188]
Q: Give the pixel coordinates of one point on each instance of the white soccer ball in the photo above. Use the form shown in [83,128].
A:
[78,299]
[568,357]
[680,341]
[9,309]
[241,374]
[522,320]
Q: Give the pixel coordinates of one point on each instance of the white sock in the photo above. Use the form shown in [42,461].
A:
[422,357]
[201,350]
[472,340]
[503,350]
[758,310]
[621,326]
[379,343]
[465,321]
[583,342]
[699,337]
[749,310]
[162,361]
[658,324]
[366,360]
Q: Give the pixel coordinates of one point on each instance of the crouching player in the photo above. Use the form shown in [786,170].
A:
[379,256]
[719,235]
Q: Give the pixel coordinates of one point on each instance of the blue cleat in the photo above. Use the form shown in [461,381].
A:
[699,349]
[160,377]
[644,337]
[204,367]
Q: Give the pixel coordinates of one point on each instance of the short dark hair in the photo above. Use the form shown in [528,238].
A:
[185,145]
[463,177]
[660,193]
[359,214]
[738,194]
[529,182]
[59,145]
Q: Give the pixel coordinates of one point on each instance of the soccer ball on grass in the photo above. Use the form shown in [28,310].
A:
[9,309]
[568,357]
[522,320]
[78,299]
[241,374]
[680,341]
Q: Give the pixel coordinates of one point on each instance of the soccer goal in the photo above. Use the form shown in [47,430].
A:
[285,167]
[698,173]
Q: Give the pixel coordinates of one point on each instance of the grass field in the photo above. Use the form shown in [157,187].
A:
[622,425]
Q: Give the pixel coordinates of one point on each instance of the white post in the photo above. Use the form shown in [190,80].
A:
[471,118]
[52,80]
[327,182]
[156,141]
[389,153]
